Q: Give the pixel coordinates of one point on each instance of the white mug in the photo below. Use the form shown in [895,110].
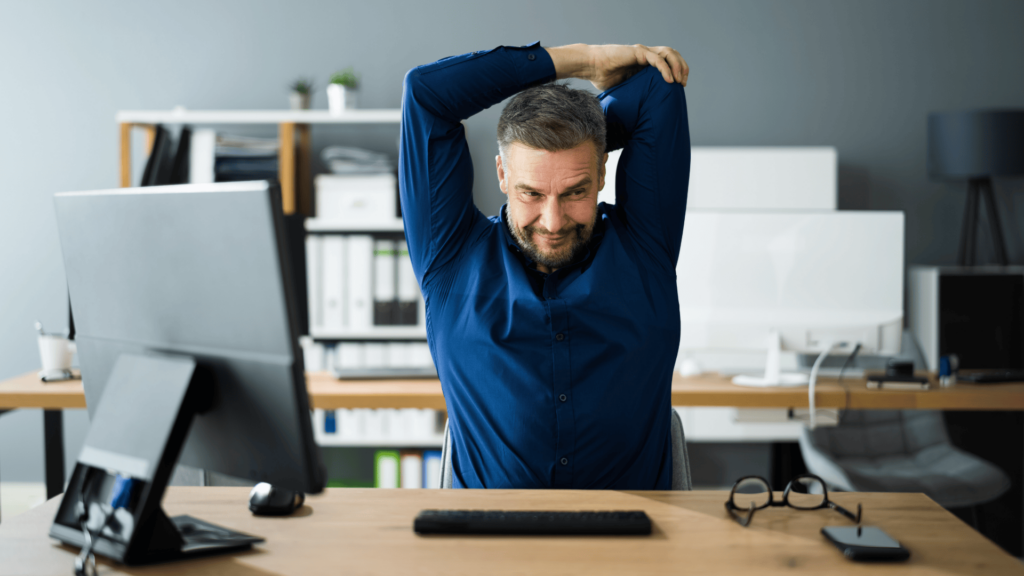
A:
[56,353]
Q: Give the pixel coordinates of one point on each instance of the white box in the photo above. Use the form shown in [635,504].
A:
[365,200]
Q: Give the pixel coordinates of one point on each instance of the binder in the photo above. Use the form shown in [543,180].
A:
[158,166]
[376,355]
[432,469]
[386,469]
[202,156]
[384,283]
[351,355]
[179,172]
[412,469]
[314,282]
[334,285]
[359,280]
[408,290]
[330,422]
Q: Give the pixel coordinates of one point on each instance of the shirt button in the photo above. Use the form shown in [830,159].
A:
[531,57]
[563,397]
[565,461]
[559,336]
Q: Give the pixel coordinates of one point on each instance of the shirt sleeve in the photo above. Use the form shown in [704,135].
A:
[647,119]
[435,169]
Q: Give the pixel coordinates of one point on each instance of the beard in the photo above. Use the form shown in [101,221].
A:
[578,236]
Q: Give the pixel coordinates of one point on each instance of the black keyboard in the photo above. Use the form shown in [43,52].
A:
[531,522]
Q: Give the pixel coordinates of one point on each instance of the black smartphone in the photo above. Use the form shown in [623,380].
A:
[865,543]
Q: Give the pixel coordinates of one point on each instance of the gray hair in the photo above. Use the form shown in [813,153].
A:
[552,117]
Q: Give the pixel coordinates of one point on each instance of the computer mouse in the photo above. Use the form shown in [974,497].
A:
[267,500]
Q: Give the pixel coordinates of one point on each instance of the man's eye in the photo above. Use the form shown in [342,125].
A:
[577,192]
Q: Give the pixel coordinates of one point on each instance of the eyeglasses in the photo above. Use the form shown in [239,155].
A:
[805,492]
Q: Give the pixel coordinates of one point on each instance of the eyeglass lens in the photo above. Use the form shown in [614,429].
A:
[751,491]
[806,493]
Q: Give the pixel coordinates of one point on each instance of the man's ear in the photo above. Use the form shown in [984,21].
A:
[601,172]
[502,180]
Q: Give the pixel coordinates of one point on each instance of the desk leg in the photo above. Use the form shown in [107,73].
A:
[53,435]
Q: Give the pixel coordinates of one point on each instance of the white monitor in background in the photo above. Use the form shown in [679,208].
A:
[775,178]
[762,281]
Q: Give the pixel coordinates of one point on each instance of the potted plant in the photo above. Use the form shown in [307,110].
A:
[302,90]
[341,91]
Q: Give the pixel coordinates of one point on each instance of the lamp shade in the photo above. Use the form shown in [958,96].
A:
[976,143]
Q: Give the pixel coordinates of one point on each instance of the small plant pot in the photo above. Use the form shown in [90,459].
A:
[340,98]
[298,101]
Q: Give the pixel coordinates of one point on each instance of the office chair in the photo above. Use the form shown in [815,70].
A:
[680,458]
[900,451]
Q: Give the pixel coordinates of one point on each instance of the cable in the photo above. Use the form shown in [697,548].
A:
[814,380]
[846,389]
[120,497]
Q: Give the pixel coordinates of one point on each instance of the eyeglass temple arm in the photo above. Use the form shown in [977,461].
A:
[846,512]
[735,511]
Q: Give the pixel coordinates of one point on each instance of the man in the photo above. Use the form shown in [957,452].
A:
[555,324]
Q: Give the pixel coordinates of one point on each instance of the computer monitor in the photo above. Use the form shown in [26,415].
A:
[186,325]
[795,280]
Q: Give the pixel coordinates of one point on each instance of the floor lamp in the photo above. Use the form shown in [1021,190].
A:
[977,145]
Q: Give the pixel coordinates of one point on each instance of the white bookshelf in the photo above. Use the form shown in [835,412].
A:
[375,333]
[327,226]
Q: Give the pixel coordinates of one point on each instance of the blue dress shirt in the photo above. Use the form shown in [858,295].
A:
[558,380]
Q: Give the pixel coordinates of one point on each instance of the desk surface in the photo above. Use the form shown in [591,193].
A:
[367,531]
[26,391]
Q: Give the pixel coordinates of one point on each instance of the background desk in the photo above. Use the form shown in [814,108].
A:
[367,531]
[26,391]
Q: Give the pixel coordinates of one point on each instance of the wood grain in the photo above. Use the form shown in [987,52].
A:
[286,166]
[126,154]
[329,393]
[367,531]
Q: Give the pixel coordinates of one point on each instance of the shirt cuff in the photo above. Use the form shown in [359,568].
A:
[533,64]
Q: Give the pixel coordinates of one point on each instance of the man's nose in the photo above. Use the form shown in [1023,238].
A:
[552,218]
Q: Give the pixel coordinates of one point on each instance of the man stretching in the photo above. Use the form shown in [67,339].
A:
[555,324]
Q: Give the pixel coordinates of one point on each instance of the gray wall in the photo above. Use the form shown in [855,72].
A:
[858,75]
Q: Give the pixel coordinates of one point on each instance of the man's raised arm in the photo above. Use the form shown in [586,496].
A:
[645,108]
[435,170]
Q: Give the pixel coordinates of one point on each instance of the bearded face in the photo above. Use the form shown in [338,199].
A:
[552,200]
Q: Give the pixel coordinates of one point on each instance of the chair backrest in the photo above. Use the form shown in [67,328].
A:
[680,457]
[875,433]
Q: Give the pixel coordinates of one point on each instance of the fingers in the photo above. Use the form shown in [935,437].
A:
[680,69]
[667,60]
[655,59]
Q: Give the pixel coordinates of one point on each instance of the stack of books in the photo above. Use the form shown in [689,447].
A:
[226,158]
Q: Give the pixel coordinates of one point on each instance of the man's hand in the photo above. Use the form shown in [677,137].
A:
[610,64]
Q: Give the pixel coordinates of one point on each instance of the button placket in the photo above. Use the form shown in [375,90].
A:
[561,386]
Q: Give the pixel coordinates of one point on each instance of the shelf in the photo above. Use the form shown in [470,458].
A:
[184,116]
[377,333]
[326,226]
[326,440]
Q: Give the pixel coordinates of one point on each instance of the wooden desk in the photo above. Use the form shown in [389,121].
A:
[708,390]
[367,531]
[325,391]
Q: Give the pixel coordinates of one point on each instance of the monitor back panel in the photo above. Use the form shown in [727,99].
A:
[196,270]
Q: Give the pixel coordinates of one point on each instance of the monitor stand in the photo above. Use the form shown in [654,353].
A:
[137,433]
[773,376]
